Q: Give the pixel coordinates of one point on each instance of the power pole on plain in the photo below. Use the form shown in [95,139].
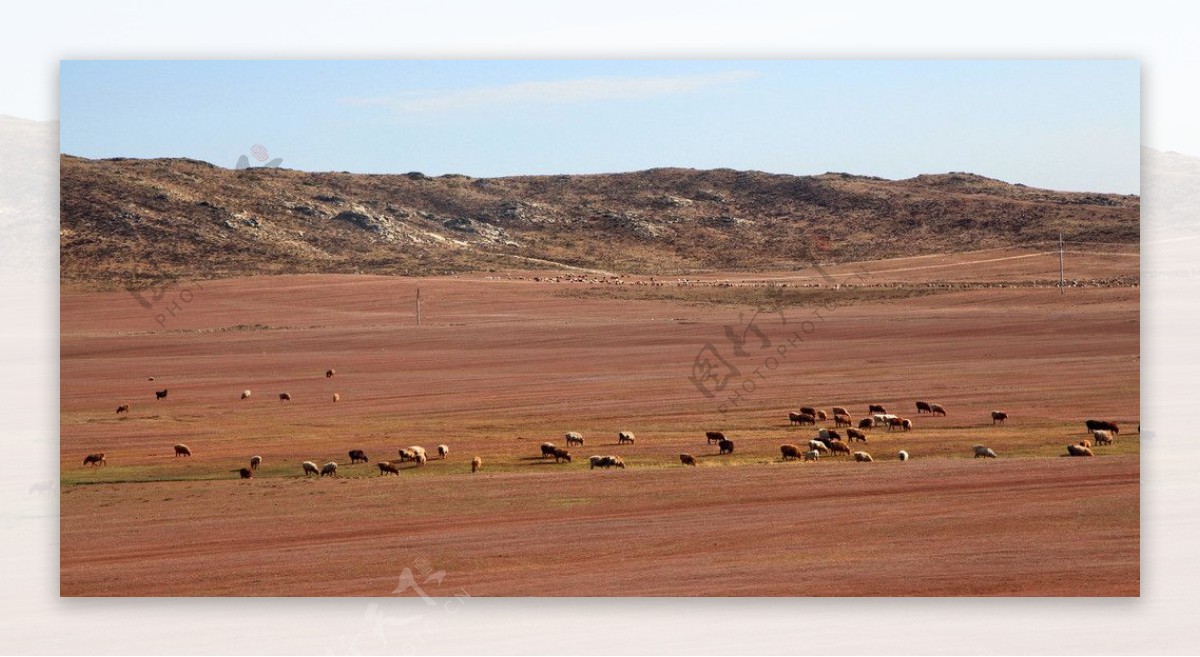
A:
[1062,281]
[418,306]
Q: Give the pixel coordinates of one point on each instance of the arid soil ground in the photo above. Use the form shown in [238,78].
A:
[503,362]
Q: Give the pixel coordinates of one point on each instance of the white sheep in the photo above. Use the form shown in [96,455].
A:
[574,438]
[443,451]
[863,456]
[818,446]
[625,437]
[329,469]
[812,455]
[902,455]
[986,452]
[255,461]
[310,468]
[1101,437]
[245,394]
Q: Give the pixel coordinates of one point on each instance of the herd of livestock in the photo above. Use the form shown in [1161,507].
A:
[829,441]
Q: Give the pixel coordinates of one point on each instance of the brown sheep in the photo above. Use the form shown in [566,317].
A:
[923,407]
[937,409]
[805,418]
[895,422]
[840,410]
[255,461]
[906,424]
[862,457]
[476,464]
[329,374]
[790,452]
[713,437]
[357,455]
[794,418]
[1103,425]
[876,408]
[548,450]
[95,459]
[726,446]
[283,396]
[822,416]
[855,434]
[123,408]
[161,394]
[182,450]
[246,473]
[1078,450]
[387,468]
[838,447]
[336,398]
[561,455]
[999,417]
[687,459]
[840,420]
[808,410]
[866,423]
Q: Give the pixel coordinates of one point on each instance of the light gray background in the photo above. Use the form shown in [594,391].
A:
[33,37]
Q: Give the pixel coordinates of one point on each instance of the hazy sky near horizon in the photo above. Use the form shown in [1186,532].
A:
[1061,124]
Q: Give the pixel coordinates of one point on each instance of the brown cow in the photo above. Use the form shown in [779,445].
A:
[123,408]
[687,459]
[1103,425]
[161,394]
[726,446]
[999,416]
[357,455]
[561,454]
[923,407]
[895,422]
[714,436]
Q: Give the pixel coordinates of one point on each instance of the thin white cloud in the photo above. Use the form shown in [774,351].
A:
[558,91]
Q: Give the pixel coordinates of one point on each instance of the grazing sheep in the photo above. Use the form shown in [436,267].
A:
[1102,437]
[417,449]
[95,459]
[726,446]
[329,374]
[336,398]
[862,457]
[548,449]
[357,455]
[818,446]
[255,461]
[866,423]
[838,447]
[421,458]
[854,434]
[822,416]
[387,468]
[794,418]
[310,468]
[882,419]
[923,407]
[1078,450]
[805,418]
[562,455]
[161,394]
[713,437]
[906,424]
[808,410]
[476,464]
[283,396]
[1085,443]
[606,462]
[876,408]
[1103,425]
[999,417]
[246,473]
[182,450]
[840,410]
[329,469]
[895,422]
[245,394]
[812,455]
[790,452]
[625,437]
[123,408]
[574,438]
[687,459]
[902,455]
[986,452]
[937,409]
[443,450]
[829,434]
[407,455]
[840,420]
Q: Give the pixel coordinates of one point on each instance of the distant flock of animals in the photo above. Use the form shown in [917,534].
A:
[828,441]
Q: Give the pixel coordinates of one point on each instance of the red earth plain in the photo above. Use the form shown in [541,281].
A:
[504,361]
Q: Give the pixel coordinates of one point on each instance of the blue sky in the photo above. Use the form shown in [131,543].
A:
[1071,125]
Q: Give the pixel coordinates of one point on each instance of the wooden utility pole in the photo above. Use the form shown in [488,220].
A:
[418,306]
[1062,281]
